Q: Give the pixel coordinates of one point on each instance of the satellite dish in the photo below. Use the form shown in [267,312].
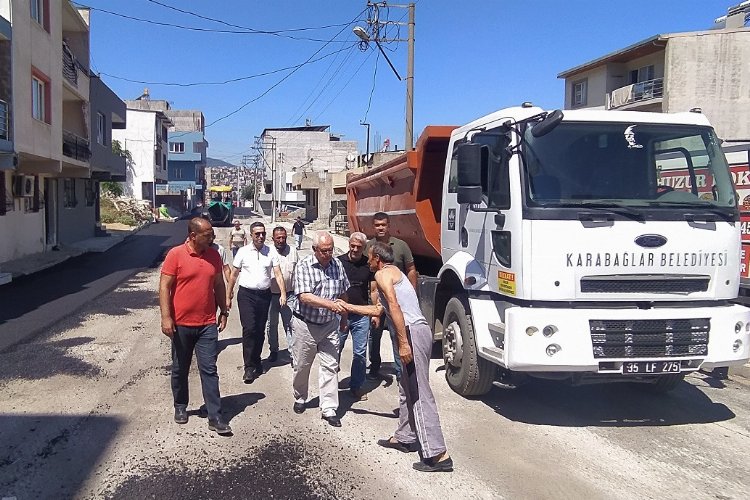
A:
[350,157]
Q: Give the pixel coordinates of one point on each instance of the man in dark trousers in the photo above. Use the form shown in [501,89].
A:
[419,424]
[360,276]
[255,265]
[190,289]
[404,260]
[298,229]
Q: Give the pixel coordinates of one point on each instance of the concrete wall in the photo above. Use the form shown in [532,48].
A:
[596,88]
[23,232]
[106,102]
[74,223]
[711,71]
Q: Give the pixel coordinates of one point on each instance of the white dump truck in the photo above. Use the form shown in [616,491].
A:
[562,245]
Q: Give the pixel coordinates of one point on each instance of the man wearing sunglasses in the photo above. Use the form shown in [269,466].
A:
[255,265]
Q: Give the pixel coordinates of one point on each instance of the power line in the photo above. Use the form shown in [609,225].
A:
[345,85]
[372,90]
[231,80]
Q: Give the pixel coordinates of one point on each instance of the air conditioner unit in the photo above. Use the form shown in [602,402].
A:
[23,186]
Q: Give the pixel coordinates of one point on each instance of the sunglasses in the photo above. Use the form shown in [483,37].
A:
[260,235]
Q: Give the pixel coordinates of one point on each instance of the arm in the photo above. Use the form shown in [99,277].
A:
[375,300]
[165,305]
[282,285]
[315,301]
[227,272]
[385,284]
[220,292]
[244,237]
[369,310]
[230,286]
[412,274]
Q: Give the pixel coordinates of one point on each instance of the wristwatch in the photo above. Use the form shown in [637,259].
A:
[224,313]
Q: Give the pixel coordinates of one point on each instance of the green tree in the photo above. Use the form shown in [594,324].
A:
[248,193]
[115,188]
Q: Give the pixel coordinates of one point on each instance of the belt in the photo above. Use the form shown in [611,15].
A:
[298,315]
[255,290]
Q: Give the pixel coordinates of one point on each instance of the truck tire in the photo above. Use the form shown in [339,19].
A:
[664,383]
[466,373]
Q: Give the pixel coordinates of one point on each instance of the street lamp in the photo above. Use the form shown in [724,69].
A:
[362,34]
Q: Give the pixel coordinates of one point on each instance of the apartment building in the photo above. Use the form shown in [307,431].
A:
[186,161]
[48,196]
[145,137]
[674,72]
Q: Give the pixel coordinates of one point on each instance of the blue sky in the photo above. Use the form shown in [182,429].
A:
[471,58]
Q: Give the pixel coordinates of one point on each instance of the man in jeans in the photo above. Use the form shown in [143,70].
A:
[190,288]
[298,229]
[359,274]
[287,257]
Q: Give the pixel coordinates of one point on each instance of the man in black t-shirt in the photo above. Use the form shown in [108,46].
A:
[298,229]
[359,274]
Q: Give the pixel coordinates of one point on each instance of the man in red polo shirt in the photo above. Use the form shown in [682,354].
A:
[190,289]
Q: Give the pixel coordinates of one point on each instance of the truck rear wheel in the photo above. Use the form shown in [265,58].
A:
[466,373]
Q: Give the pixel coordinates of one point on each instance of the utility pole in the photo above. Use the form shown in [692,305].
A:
[376,25]
[367,154]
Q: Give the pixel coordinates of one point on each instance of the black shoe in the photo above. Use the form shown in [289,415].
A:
[332,420]
[373,374]
[273,357]
[430,465]
[398,445]
[180,414]
[358,394]
[219,427]
[250,375]
[299,408]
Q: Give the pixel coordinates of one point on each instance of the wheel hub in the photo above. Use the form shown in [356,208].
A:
[453,345]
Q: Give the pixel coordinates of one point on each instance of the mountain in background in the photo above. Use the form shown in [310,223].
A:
[215,162]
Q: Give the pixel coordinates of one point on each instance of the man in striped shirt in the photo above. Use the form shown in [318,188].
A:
[318,281]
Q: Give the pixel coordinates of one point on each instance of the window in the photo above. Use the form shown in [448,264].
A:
[643,74]
[176,147]
[69,195]
[164,161]
[157,158]
[289,186]
[37,11]
[38,91]
[89,191]
[101,128]
[579,93]
[178,173]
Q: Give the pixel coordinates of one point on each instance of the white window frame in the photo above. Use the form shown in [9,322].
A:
[37,99]
[101,125]
[579,92]
[646,73]
[176,147]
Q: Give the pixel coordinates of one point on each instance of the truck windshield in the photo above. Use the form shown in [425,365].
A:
[653,166]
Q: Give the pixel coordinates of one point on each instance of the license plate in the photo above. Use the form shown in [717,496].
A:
[650,367]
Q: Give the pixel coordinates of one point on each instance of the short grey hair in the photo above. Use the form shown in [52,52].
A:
[319,236]
[357,236]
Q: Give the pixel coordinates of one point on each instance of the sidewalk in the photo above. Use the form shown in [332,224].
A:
[31,264]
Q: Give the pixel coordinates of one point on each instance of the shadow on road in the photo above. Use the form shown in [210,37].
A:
[224,343]
[233,405]
[46,359]
[48,456]
[543,402]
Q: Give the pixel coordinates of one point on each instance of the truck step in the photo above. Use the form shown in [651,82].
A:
[497,330]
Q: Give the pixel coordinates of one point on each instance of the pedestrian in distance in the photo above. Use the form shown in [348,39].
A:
[419,424]
[237,237]
[404,261]
[191,288]
[298,229]
[226,260]
[318,281]
[358,325]
[254,266]
[288,258]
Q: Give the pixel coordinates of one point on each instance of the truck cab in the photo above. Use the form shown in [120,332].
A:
[594,246]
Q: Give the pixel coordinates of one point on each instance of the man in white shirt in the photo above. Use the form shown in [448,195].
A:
[255,265]
[288,257]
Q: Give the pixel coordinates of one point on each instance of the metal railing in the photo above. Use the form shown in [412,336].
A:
[75,147]
[4,120]
[69,66]
[636,92]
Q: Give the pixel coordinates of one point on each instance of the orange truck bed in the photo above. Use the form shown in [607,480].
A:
[409,189]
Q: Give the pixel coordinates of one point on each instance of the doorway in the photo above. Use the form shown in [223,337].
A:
[50,211]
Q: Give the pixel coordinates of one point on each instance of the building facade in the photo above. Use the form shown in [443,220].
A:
[674,72]
[186,161]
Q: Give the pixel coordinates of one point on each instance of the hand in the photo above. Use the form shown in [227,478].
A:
[343,325]
[342,304]
[222,322]
[336,307]
[167,327]
[375,320]
[282,300]
[404,352]
[229,303]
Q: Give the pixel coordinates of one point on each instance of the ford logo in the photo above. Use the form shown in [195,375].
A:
[650,240]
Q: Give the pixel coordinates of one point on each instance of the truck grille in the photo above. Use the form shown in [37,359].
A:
[649,338]
[644,284]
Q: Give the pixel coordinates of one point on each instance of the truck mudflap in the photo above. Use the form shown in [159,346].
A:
[634,342]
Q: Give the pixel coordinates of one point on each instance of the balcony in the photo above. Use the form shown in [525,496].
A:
[75,77]
[637,94]
[76,148]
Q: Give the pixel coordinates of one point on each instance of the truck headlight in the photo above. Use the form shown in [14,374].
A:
[531,330]
[549,330]
[553,349]
[736,346]
[738,327]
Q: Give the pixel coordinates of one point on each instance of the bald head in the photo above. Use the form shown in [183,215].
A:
[198,224]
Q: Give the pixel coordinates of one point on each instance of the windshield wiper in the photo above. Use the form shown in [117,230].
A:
[608,206]
[702,207]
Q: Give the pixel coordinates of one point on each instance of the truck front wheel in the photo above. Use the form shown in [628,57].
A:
[466,373]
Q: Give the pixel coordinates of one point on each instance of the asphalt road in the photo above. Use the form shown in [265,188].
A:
[86,413]
[33,303]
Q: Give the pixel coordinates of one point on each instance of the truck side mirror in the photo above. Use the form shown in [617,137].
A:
[469,173]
